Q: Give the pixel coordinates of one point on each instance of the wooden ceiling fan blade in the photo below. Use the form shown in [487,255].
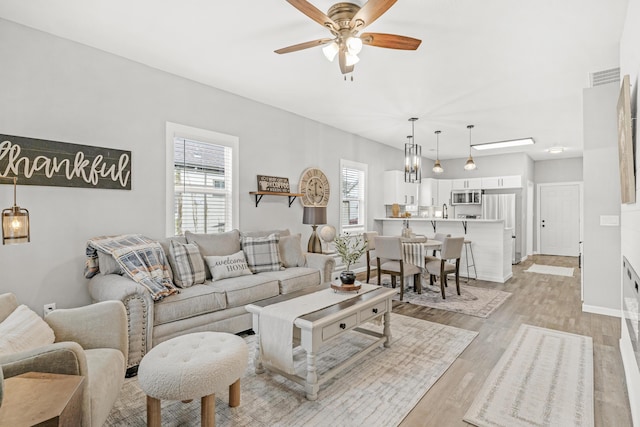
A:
[390,41]
[371,11]
[301,46]
[314,13]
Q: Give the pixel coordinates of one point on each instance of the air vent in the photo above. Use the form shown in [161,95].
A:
[604,77]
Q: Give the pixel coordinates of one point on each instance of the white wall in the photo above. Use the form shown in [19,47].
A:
[601,247]
[630,229]
[59,90]
[558,170]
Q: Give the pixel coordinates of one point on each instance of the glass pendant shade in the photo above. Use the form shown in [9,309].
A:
[412,157]
[351,59]
[437,167]
[470,165]
[354,45]
[15,223]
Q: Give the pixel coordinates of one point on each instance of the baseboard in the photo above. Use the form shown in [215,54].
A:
[632,376]
[601,310]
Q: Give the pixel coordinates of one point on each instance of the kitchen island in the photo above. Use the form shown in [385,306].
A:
[492,243]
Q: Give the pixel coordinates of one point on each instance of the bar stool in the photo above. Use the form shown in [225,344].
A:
[468,248]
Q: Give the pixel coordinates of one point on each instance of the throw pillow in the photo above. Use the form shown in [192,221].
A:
[262,253]
[291,251]
[189,267]
[265,233]
[225,266]
[24,330]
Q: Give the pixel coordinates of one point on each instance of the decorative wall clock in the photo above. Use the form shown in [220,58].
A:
[314,186]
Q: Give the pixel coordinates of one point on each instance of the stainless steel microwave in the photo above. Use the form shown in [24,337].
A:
[466,197]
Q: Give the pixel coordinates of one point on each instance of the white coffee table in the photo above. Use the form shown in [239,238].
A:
[316,329]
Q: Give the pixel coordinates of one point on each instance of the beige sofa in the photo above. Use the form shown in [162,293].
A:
[216,305]
[90,341]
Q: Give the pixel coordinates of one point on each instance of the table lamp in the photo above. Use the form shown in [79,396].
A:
[314,216]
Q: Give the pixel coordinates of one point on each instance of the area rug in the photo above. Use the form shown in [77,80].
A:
[550,269]
[544,378]
[473,301]
[379,391]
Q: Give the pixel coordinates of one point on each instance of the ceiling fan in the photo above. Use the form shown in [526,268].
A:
[345,21]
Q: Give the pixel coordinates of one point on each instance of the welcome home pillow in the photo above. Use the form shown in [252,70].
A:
[189,267]
[225,266]
[24,330]
[262,253]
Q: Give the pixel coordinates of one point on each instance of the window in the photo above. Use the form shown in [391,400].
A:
[353,182]
[202,172]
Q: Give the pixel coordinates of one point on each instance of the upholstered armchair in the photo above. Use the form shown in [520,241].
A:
[90,341]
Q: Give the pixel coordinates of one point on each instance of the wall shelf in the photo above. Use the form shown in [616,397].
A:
[259,194]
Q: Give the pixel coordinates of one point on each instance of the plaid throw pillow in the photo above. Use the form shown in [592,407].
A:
[189,266]
[262,253]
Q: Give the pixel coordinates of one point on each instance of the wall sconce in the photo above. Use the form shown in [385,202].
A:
[15,222]
[412,157]
[314,216]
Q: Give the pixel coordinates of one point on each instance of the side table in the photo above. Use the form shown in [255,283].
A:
[41,399]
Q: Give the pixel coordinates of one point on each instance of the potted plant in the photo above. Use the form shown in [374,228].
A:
[350,249]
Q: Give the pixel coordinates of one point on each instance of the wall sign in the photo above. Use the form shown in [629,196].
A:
[61,164]
[273,184]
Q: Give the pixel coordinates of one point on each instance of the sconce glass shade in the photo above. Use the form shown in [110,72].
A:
[15,226]
[330,51]
[15,222]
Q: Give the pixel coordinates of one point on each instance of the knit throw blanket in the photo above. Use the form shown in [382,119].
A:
[141,258]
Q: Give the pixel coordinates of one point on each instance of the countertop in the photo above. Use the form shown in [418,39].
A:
[439,219]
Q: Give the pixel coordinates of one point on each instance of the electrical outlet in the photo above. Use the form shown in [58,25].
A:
[48,308]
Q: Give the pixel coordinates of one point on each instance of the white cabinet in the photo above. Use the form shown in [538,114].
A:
[428,192]
[398,191]
[444,192]
[496,182]
[466,184]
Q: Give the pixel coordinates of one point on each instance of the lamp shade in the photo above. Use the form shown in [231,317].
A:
[314,215]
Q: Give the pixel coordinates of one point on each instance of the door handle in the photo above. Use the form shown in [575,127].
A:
[343,326]
[375,311]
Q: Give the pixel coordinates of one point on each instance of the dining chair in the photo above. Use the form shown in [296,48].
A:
[439,237]
[389,249]
[369,238]
[451,250]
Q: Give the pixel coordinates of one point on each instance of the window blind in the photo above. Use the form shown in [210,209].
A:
[352,204]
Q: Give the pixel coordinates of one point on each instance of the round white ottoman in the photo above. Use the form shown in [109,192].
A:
[193,366]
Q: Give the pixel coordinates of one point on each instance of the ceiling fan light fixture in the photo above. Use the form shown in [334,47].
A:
[331,50]
[354,45]
[351,59]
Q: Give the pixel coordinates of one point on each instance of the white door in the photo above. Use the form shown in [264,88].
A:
[560,219]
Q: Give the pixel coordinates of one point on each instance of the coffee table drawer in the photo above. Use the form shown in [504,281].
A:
[371,312]
[339,326]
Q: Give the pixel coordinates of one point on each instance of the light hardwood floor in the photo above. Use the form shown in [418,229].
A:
[541,300]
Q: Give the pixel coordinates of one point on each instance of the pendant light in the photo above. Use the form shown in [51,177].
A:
[437,167]
[15,222]
[412,157]
[470,165]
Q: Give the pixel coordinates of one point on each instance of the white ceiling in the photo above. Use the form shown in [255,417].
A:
[513,68]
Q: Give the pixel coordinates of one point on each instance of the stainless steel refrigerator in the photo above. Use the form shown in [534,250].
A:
[502,206]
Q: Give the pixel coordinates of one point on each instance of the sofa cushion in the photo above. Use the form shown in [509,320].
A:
[24,330]
[262,253]
[247,289]
[291,253]
[265,233]
[215,244]
[294,278]
[190,302]
[189,264]
[226,266]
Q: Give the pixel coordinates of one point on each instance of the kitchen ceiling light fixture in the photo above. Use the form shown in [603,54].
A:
[470,165]
[555,150]
[412,157]
[437,167]
[15,222]
[504,144]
